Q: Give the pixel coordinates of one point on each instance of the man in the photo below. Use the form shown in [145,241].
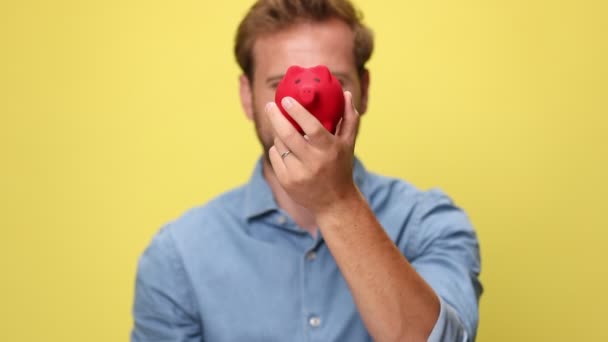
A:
[314,247]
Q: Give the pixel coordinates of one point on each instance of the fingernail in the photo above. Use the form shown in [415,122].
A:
[350,95]
[352,100]
[286,102]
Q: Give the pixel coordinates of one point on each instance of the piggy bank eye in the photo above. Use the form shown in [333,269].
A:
[317,80]
[298,81]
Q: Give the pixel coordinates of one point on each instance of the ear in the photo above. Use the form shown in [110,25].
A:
[245,91]
[294,69]
[364,91]
[321,71]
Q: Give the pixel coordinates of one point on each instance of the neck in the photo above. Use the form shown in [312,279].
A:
[302,216]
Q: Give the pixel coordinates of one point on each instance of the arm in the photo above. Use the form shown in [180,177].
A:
[395,303]
[394,300]
[434,295]
[164,308]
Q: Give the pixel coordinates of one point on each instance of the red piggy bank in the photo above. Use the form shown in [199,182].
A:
[317,90]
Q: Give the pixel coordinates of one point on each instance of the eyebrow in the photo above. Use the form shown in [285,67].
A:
[341,74]
[280,77]
[274,78]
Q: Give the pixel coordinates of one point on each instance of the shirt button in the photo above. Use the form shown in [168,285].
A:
[281,219]
[314,321]
[311,255]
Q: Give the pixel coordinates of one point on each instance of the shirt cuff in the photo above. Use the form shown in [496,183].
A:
[448,326]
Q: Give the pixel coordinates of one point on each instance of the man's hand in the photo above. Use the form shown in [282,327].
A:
[318,171]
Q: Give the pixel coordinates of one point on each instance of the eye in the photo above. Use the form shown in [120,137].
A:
[317,80]
[274,85]
[298,81]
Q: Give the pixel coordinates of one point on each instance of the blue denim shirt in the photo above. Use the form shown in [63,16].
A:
[240,269]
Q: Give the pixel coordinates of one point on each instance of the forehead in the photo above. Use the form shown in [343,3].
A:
[306,44]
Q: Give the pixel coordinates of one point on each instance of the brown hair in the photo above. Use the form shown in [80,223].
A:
[268,16]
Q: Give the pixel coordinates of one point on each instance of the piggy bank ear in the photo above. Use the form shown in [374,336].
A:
[294,70]
[322,72]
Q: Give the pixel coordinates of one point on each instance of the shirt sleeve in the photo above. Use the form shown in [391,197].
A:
[448,326]
[446,255]
[164,308]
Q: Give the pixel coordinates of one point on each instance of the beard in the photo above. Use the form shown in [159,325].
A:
[263,134]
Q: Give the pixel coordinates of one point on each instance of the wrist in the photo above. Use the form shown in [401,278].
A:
[347,203]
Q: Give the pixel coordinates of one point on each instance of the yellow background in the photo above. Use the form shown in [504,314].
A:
[116,116]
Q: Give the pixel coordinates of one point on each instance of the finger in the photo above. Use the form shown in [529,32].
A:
[285,131]
[350,120]
[290,160]
[280,170]
[310,124]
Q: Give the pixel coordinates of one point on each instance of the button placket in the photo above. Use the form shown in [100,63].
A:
[313,318]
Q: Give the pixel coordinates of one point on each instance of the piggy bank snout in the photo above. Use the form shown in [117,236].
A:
[307,94]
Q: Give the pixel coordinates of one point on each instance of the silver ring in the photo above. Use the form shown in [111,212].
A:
[285,154]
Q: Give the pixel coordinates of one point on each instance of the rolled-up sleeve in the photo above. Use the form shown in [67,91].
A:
[446,255]
[164,308]
[448,326]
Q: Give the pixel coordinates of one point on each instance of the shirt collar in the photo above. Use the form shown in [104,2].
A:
[260,200]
